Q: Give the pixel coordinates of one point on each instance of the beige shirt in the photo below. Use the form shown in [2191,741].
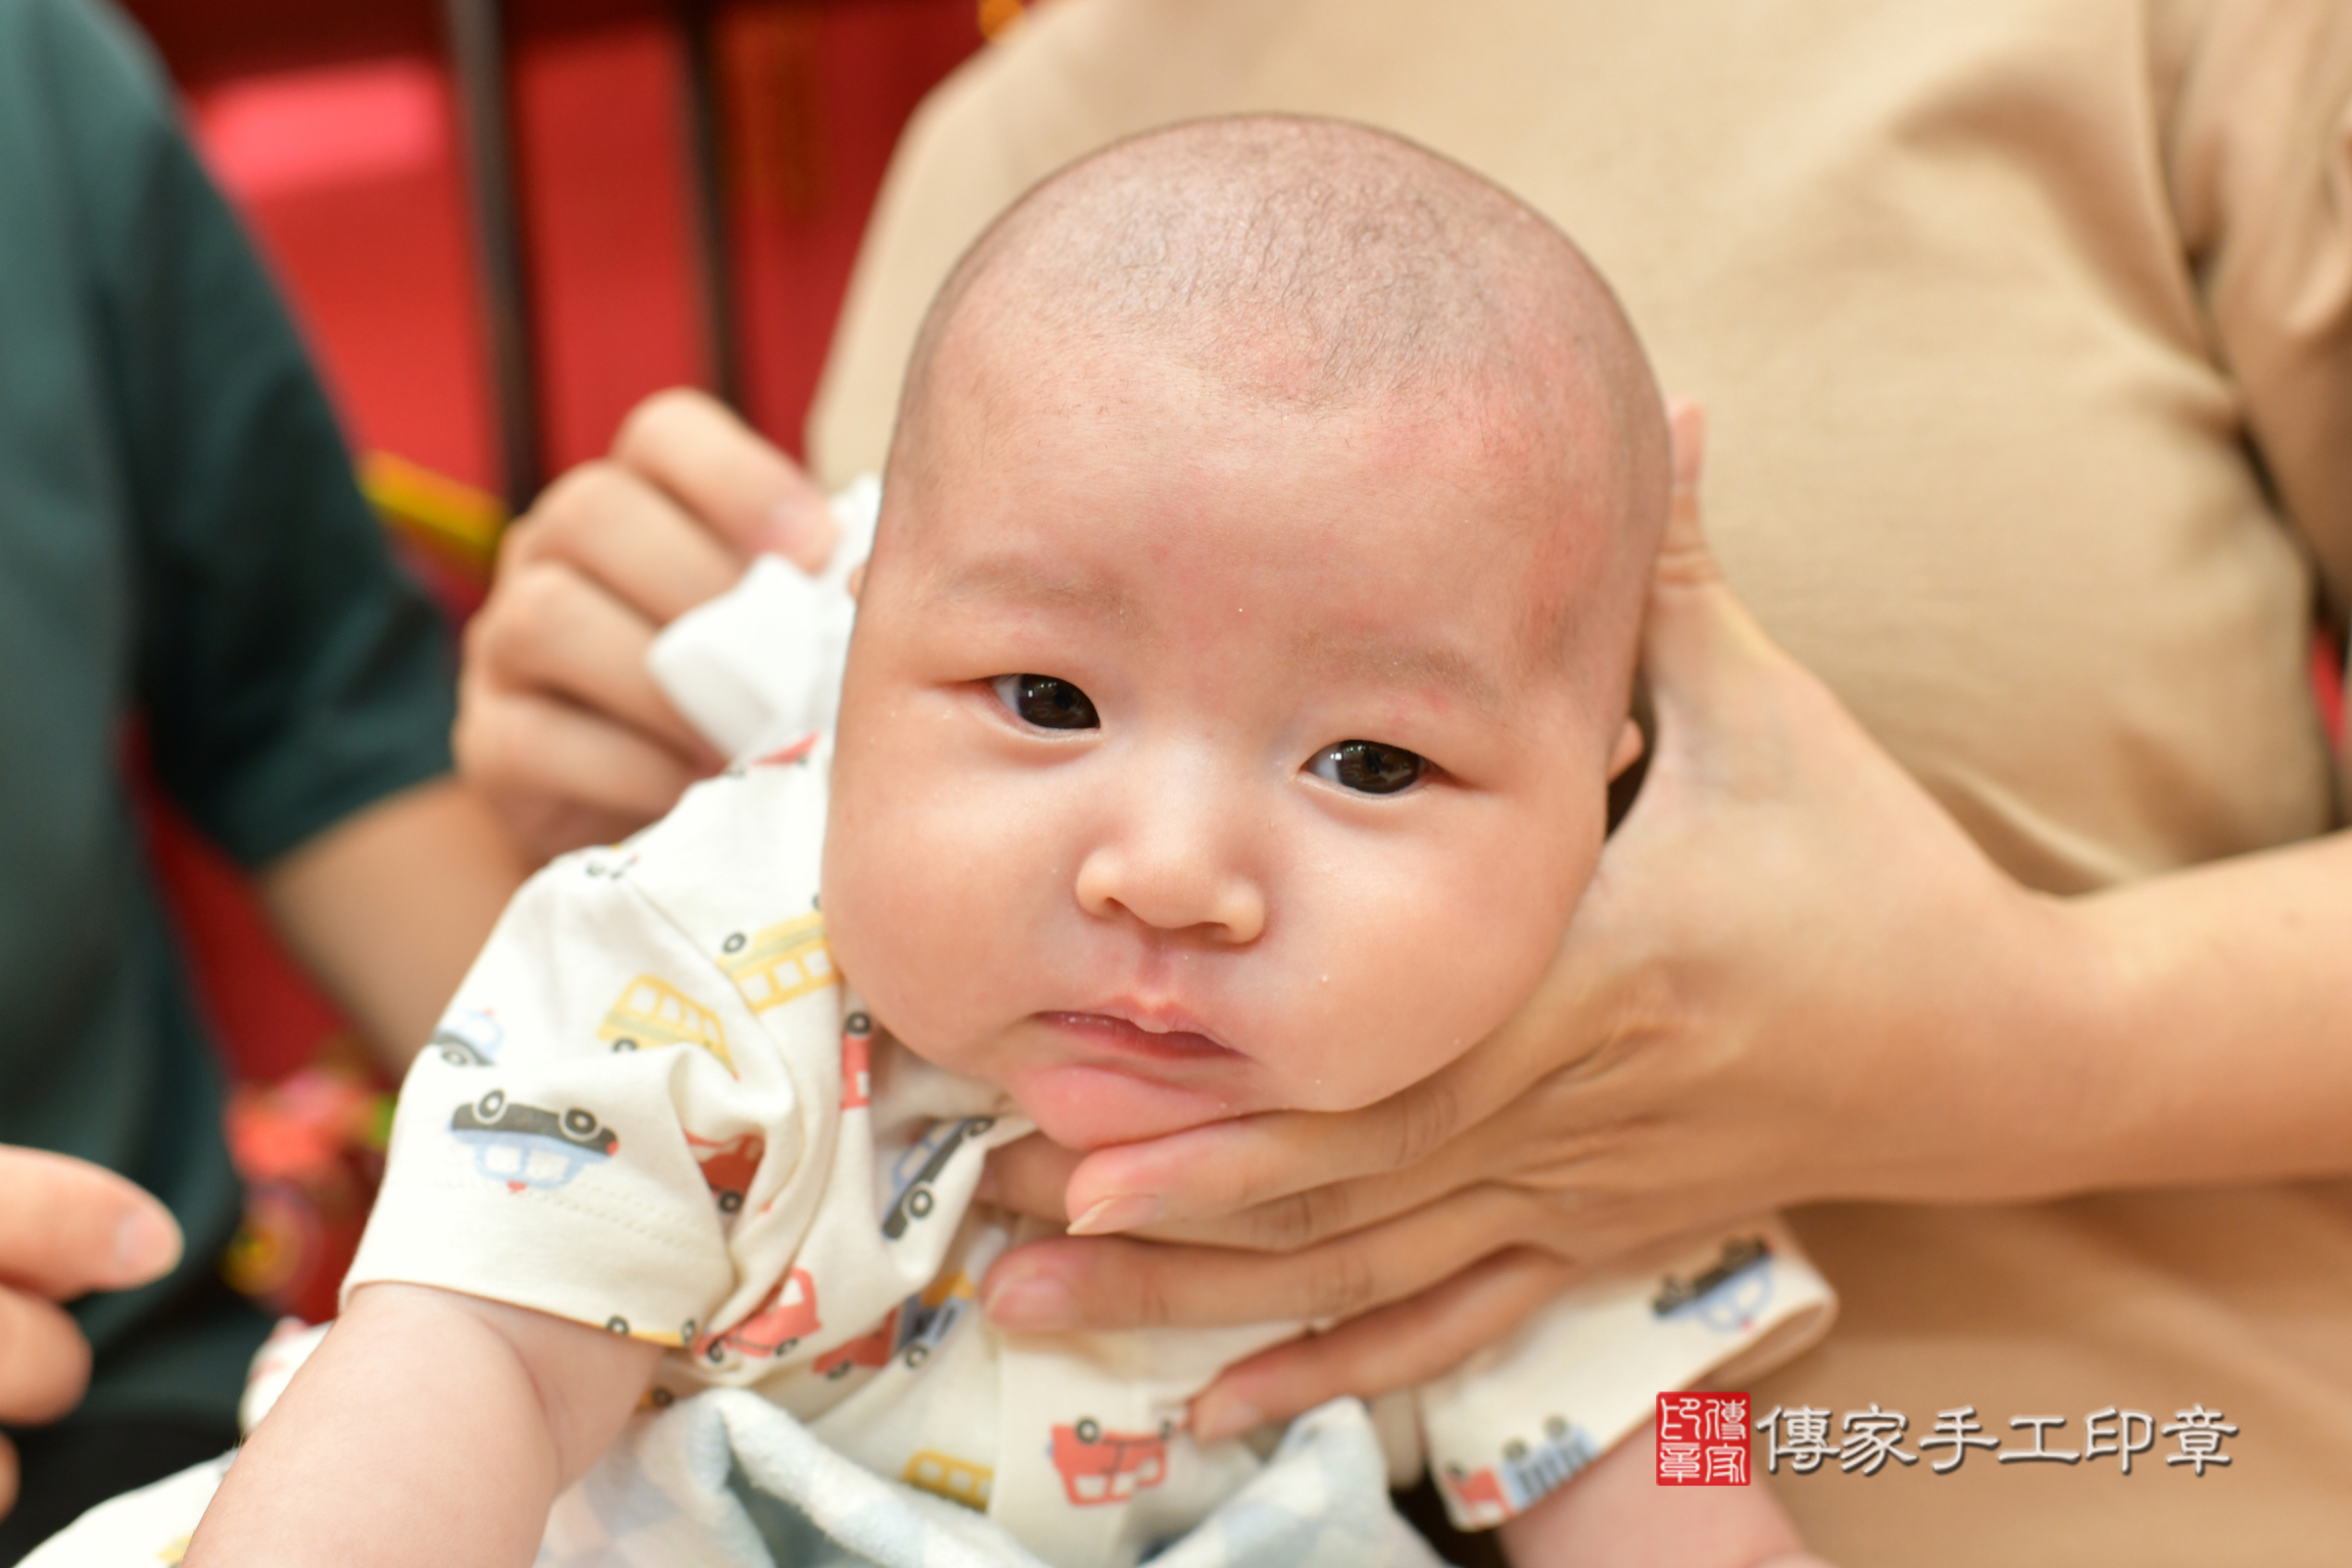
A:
[1991,304]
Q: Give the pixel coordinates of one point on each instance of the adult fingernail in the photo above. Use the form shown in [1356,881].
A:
[1122,1212]
[796,528]
[146,1245]
[1037,1303]
[1218,1416]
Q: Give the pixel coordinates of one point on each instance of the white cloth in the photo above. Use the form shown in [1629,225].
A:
[761,665]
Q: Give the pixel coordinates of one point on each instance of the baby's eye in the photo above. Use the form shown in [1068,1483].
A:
[1046,703]
[1367,767]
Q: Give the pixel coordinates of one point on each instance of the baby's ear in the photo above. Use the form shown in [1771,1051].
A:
[1629,749]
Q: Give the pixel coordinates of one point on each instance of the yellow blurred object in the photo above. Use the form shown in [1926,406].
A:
[454,522]
[998,15]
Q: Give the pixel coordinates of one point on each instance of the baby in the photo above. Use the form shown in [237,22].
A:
[1237,677]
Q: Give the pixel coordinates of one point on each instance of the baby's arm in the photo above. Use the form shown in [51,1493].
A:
[1615,1515]
[430,1428]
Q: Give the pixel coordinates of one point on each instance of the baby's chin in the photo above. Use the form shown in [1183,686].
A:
[1086,1106]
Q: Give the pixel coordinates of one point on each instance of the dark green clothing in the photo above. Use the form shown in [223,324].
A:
[182,553]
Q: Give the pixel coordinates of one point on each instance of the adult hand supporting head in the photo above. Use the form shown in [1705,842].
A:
[67,1228]
[559,724]
[1792,977]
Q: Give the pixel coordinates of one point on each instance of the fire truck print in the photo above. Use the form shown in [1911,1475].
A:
[914,1329]
[942,1475]
[1490,1496]
[652,1014]
[1727,1298]
[1099,1466]
[784,1317]
[781,964]
[910,1179]
[857,1061]
[797,752]
[530,1145]
[728,1167]
[467,1038]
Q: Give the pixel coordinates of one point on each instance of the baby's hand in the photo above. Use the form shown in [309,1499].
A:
[1615,1515]
[430,1428]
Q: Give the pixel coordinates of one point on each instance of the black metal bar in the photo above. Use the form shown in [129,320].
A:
[706,168]
[478,50]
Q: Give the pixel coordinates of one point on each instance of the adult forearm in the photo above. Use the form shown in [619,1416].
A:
[387,908]
[2223,1021]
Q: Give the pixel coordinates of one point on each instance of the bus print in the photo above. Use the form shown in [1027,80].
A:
[781,964]
[942,1475]
[652,1014]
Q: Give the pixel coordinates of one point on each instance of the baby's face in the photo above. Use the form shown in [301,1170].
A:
[1195,762]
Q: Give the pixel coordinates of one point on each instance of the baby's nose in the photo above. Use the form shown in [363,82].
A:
[1171,889]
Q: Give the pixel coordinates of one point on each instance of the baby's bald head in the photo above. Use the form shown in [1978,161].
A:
[1315,269]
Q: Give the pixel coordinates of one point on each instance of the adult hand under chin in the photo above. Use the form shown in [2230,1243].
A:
[1793,977]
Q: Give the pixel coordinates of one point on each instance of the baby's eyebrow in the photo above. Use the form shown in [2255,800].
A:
[1390,663]
[1026,580]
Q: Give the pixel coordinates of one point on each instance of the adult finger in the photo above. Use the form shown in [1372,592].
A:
[556,630]
[1395,1347]
[523,746]
[1209,1172]
[44,1361]
[1696,634]
[619,528]
[68,1227]
[725,473]
[1113,1283]
[9,1474]
[1028,1176]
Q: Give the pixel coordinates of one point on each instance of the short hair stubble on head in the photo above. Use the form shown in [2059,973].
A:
[1321,265]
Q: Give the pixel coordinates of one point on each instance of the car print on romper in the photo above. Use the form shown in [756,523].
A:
[784,1317]
[857,1061]
[728,1166]
[469,1037]
[784,756]
[914,1329]
[530,1145]
[1727,1298]
[1490,1496]
[910,1178]
[1099,1466]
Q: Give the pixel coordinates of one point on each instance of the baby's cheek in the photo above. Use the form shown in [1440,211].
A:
[918,909]
[1425,969]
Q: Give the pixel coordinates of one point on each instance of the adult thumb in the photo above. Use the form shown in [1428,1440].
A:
[1697,639]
